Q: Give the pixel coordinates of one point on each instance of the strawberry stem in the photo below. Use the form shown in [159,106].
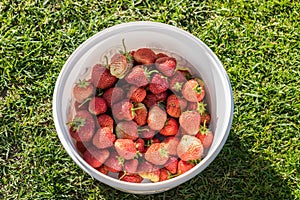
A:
[125,173]
[84,102]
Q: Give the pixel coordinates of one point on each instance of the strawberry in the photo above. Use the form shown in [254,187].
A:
[127,130]
[170,128]
[102,169]
[172,165]
[184,166]
[95,157]
[140,145]
[83,90]
[193,90]
[105,120]
[133,178]
[97,106]
[158,84]
[164,174]
[136,94]
[148,171]
[150,100]
[123,110]
[102,78]
[176,81]
[146,133]
[160,55]
[171,143]
[175,105]
[189,148]
[190,122]
[125,148]
[82,146]
[104,138]
[144,56]
[205,118]
[139,76]
[114,163]
[130,166]
[82,126]
[113,95]
[205,136]
[157,154]
[141,114]
[161,97]
[156,118]
[120,65]
[166,65]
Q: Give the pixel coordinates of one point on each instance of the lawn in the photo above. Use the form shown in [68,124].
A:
[258,43]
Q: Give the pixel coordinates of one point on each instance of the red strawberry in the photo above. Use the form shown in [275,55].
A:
[193,90]
[164,174]
[123,110]
[140,145]
[144,56]
[176,81]
[171,143]
[161,97]
[166,65]
[160,55]
[148,171]
[139,76]
[82,126]
[184,166]
[136,94]
[190,122]
[170,128]
[102,78]
[146,133]
[125,148]
[150,100]
[114,163]
[205,118]
[189,148]
[205,136]
[95,157]
[133,178]
[157,154]
[158,84]
[172,165]
[120,65]
[82,146]
[113,95]
[104,138]
[83,90]
[102,169]
[175,105]
[105,120]
[97,106]
[141,114]
[127,130]
[130,166]
[156,118]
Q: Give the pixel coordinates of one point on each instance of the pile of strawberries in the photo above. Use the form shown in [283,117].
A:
[141,116]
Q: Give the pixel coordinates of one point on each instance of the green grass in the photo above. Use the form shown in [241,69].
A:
[258,43]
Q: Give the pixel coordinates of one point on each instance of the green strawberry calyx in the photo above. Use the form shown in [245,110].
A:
[77,123]
[83,83]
